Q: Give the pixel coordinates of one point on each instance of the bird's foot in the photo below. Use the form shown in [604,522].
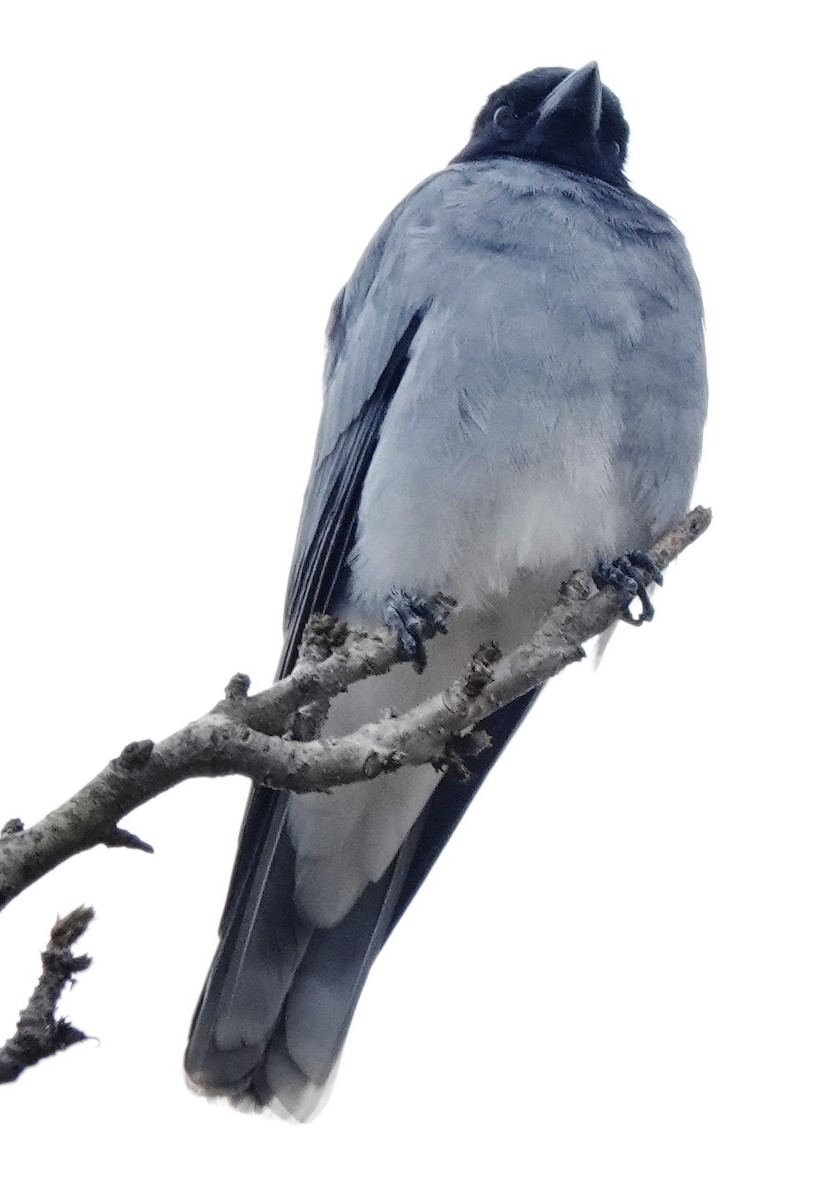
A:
[625,575]
[410,618]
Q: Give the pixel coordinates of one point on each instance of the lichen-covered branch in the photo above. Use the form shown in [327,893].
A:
[40,1033]
[265,736]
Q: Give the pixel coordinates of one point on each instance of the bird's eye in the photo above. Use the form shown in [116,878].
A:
[615,146]
[503,116]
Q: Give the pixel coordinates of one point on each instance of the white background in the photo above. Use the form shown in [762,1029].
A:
[616,982]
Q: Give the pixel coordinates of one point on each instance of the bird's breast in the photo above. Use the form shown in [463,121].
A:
[506,452]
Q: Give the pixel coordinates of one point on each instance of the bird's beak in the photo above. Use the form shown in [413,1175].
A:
[580,92]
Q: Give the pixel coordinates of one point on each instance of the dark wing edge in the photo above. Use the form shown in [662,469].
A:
[320,571]
[453,796]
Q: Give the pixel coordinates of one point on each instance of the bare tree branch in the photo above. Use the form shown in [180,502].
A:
[264,737]
[39,1032]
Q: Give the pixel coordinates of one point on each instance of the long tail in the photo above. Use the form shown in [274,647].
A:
[280,996]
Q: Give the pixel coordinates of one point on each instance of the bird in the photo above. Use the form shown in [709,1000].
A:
[514,387]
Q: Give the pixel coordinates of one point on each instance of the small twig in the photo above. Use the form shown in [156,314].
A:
[39,1032]
[321,637]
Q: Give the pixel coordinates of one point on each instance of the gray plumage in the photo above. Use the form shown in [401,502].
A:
[515,386]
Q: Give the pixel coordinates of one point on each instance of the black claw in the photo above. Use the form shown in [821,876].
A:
[409,617]
[624,575]
[640,558]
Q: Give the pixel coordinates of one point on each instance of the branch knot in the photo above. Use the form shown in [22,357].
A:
[237,687]
[134,756]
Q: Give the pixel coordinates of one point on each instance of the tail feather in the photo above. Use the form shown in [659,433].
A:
[325,990]
[262,941]
[240,1045]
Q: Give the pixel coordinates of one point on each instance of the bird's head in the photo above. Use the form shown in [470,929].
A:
[557,116]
